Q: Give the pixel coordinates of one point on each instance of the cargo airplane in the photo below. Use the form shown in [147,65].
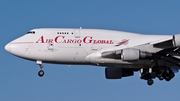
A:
[121,53]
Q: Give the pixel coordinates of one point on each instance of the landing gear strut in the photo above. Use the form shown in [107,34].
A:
[148,74]
[163,73]
[41,72]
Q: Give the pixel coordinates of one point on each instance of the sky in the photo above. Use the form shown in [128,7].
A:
[18,77]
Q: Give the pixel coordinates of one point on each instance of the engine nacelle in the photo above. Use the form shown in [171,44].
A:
[131,54]
[176,40]
[117,73]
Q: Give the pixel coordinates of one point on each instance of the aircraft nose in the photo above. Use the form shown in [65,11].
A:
[8,47]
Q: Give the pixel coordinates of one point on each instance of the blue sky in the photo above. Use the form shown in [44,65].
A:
[18,77]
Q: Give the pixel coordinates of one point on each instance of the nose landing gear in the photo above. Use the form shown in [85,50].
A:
[41,72]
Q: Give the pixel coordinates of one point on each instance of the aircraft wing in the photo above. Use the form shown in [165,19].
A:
[163,55]
[166,49]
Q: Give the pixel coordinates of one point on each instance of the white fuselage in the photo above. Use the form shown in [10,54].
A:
[78,46]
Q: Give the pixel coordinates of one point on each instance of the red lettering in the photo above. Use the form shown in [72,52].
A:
[85,40]
[79,41]
[103,42]
[99,42]
[70,41]
[56,39]
[41,40]
[111,42]
[106,42]
[49,40]
[64,41]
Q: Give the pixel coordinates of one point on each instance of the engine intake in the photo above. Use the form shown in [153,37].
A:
[176,40]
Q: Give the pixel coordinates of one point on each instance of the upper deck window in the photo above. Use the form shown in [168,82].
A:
[31,32]
[62,33]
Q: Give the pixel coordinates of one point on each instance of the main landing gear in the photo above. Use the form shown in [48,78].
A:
[150,81]
[148,74]
[162,73]
[41,72]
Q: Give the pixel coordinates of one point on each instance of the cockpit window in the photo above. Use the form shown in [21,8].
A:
[31,32]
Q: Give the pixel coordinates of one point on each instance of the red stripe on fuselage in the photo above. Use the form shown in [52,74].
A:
[21,42]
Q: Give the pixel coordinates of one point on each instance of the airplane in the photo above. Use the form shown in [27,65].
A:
[121,53]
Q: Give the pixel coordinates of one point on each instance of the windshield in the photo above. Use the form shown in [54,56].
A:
[31,32]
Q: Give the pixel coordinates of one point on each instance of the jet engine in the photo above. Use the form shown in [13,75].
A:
[117,73]
[176,40]
[131,54]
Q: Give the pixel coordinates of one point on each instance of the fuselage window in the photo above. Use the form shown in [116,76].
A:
[62,33]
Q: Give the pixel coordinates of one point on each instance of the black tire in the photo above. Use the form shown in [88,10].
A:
[164,74]
[167,78]
[150,82]
[171,75]
[161,78]
[41,73]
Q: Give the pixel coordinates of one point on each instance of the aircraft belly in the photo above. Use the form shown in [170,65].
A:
[118,61]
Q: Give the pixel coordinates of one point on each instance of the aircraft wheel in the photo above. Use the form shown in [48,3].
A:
[161,78]
[164,74]
[150,82]
[41,73]
[167,78]
[171,75]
